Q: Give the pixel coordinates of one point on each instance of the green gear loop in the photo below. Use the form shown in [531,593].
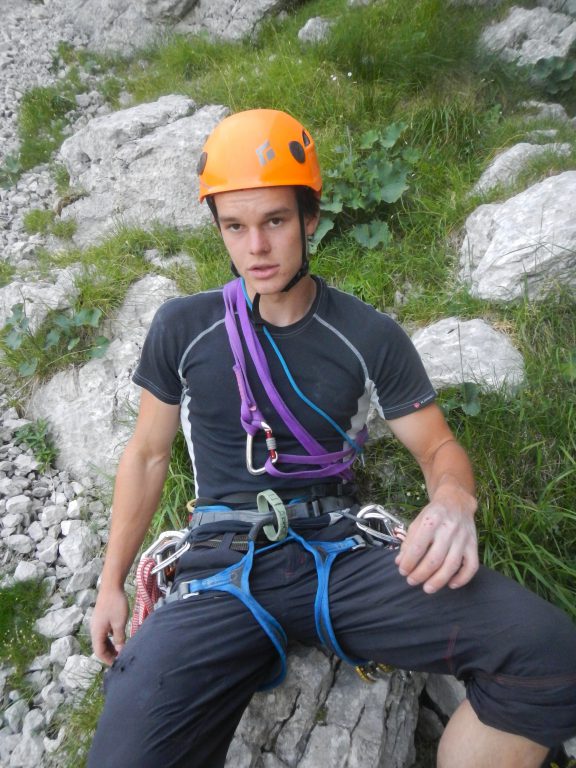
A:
[267,502]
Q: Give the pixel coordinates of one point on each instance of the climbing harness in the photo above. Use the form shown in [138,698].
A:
[271,519]
[274,524]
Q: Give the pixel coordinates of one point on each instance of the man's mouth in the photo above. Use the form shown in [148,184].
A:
[263,270]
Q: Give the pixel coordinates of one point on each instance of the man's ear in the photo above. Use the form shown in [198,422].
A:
[311,223]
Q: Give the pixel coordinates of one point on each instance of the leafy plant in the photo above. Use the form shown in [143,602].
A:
[555,74]
[36,436]
[10,171]
[368,179]
[467,398]
[64,333]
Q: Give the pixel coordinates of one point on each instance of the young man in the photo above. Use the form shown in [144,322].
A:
[272,378]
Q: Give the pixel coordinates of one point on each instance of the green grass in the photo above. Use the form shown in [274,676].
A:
[20,606]
[79,721]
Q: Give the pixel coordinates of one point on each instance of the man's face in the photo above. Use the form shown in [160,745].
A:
[261,231]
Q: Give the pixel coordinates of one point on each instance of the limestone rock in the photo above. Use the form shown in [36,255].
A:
[525,246]
[91,408]
[323,714]
[38,298]
[228,19]
[509,164]
[78,548]
[456,351]
[123,24]
[316,30]
[527,35]
[60,622]
[138,167]
[79,672]
[560,6]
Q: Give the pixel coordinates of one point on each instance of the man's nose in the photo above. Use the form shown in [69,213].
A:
[258,241]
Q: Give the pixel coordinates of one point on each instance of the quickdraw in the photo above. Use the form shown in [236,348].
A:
[155,572]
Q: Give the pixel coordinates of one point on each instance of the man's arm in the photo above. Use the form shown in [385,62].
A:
[441,545]
[139,482]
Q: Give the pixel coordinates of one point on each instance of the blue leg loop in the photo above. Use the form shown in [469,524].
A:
[236,581]
[324,553]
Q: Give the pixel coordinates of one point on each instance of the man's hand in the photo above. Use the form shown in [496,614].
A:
[441,546]
[108,624]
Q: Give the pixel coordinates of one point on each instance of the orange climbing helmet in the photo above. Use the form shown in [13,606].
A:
[258,148]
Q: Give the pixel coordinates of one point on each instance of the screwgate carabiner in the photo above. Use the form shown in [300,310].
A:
[270,444]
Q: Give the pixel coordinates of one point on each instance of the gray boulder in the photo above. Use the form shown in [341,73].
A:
[138,167]
[527,35]
[127,24]
[324,714]
[316,30]
[60,622]
[560,6]
[91,408]
[229,19]
[123,24]
[38,298]
[456,351]
[508,165]
[525,246]
[542,110]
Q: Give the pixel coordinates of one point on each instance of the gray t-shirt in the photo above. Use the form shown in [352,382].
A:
[343,355]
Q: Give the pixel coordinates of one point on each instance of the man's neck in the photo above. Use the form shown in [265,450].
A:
[282,309]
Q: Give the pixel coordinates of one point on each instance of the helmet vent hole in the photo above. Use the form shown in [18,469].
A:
[305,139]
[297,151]
[202,163]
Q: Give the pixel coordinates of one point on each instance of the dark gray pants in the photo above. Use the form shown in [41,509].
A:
[176,693]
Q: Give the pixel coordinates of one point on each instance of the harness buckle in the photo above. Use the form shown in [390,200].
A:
[270,445]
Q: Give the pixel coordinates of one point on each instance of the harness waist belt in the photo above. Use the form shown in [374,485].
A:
[298,510]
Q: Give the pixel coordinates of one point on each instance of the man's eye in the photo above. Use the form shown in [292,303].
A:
[276,221]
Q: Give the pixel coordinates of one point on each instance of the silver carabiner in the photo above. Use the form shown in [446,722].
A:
[161,564]
[159,545]
[394,531]
[270,444]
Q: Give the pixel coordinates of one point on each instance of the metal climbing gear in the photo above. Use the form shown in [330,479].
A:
[155,573]
[380,524]
[270,445]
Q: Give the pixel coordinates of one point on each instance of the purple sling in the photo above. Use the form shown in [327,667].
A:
[330,464]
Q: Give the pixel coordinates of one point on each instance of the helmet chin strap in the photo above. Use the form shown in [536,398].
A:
[302,271]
